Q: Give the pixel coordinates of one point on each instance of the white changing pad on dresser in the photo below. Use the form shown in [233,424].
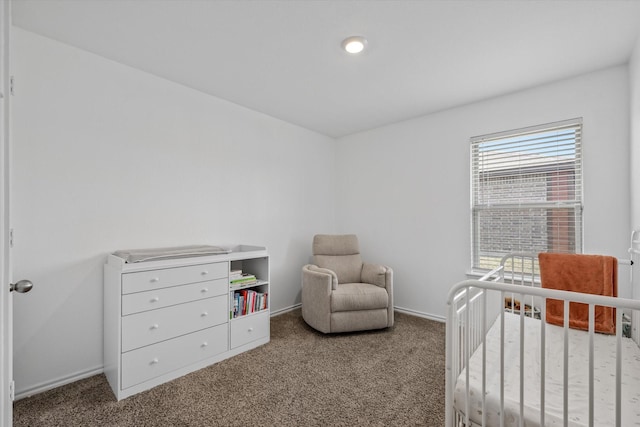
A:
[141,255]
[604,377]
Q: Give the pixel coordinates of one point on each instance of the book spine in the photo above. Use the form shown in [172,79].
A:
[247,301]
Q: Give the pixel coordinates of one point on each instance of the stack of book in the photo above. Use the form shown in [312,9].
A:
[237,278]
[247,301]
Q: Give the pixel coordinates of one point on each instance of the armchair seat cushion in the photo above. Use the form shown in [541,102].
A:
[358,296]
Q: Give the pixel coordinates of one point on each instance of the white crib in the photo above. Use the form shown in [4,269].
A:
[506,367]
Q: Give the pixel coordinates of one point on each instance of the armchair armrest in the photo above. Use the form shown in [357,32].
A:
[317,285]
[380,275]
[313,272]
[376,274]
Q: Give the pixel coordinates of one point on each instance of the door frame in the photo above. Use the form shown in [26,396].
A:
[6,298]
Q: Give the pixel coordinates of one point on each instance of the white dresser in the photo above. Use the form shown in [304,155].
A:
[164,319]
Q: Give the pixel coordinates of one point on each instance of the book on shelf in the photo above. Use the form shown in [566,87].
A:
[244,279]
[247,301]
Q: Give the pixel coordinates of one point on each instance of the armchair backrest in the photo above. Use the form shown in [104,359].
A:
[339,253]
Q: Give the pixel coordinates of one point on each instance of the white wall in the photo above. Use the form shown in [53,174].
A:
[405,187]
[106,157]
[634,81]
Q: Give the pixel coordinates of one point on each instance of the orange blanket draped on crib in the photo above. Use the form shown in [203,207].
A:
[591,274]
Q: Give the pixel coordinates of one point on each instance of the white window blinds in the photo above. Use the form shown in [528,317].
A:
[526,192]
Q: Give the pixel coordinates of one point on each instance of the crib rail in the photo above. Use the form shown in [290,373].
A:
[470,311]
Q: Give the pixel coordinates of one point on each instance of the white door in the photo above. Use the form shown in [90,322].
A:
[6,288]
[6,355]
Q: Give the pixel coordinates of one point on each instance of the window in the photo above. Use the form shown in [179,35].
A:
[526,191]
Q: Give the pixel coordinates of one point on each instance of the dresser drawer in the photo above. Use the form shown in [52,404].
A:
[249,328]
[150,300]
[158,359]
[153,326]
[155,279]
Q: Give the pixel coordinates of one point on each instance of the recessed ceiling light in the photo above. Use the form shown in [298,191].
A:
[354,44]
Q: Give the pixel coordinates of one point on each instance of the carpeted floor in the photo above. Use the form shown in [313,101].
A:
[391,377]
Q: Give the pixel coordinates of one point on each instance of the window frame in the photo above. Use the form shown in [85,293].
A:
[573,208]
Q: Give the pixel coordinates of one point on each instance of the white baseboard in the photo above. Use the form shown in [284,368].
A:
[286,309]
[396,308]
[420,314]
[48,385]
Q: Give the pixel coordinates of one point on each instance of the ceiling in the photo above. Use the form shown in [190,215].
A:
[283,58]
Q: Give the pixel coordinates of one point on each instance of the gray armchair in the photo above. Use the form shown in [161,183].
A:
[340,293]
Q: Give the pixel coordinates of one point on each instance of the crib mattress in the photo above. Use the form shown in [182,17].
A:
[604,377]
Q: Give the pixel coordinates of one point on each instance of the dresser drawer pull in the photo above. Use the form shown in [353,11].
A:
[204,344]
[155,361]
[250,330]
[155,299]
[204,314]
[154,326]
[204,273]
[204,290]
[155,279]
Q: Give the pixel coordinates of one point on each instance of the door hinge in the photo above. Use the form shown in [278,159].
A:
[12,390]
[11,238]
[11,85]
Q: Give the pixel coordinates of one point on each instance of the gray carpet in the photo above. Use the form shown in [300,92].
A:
[392,377]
